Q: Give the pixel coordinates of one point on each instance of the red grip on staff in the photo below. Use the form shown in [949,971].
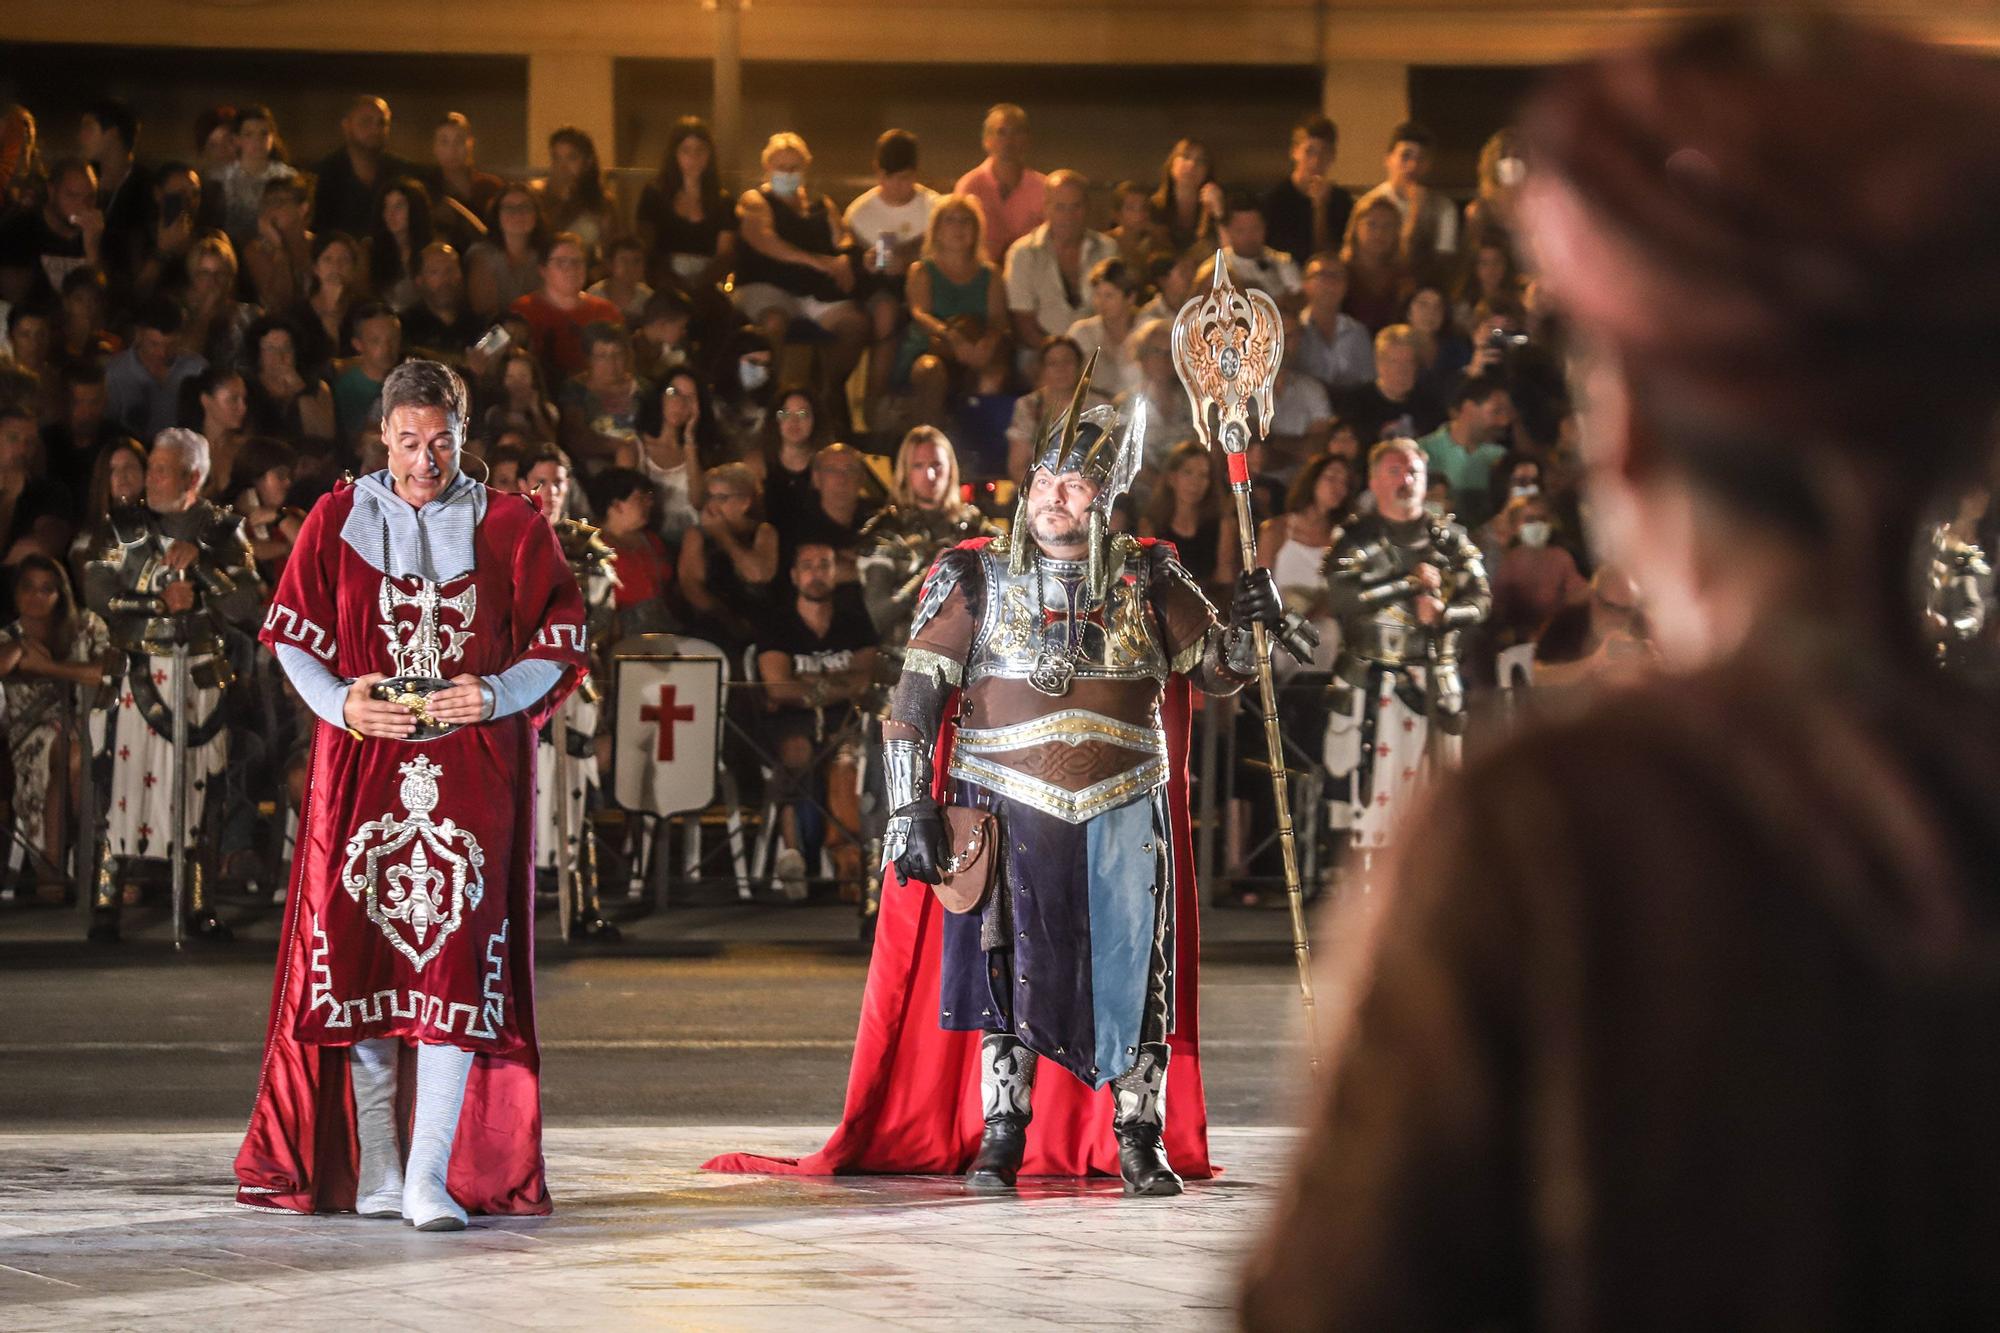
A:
[1239,469]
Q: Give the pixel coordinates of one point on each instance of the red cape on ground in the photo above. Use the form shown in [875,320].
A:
[913,1105]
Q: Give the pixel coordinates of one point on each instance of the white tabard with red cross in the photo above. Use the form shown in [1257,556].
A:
[667,753]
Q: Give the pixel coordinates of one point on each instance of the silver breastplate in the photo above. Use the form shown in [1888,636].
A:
[1043,626]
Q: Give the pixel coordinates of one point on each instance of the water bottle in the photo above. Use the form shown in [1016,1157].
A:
[884,252]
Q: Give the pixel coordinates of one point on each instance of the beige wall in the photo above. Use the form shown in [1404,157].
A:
[1257,32]
[1109,82]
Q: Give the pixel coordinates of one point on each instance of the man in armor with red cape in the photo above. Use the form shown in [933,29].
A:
[432,624]
[1046,681]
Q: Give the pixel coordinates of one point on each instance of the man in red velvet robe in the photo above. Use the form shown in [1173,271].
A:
[409,944]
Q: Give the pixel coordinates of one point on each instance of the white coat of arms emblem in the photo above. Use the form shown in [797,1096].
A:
[415,877]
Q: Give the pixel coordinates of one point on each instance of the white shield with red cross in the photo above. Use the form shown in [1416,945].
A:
[667,748]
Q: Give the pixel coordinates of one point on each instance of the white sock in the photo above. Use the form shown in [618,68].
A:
[371,1068]
[441,1073]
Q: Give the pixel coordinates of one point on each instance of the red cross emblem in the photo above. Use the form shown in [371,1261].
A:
[152,781]
[1383,799]
[1094,616]
[145,831]
[159,677]
[664,716]
[125,702]
[1409,724]
[121,804]
[1382,751]
[124,752]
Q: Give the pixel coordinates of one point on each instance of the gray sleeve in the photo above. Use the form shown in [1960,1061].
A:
[520,685]
[324,692]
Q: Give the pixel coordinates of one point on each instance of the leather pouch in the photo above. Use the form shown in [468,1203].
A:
[966,876]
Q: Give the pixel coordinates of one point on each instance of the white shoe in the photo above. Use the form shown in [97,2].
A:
[788,876]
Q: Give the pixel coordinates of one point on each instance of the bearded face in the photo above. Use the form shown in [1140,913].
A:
[1059,510]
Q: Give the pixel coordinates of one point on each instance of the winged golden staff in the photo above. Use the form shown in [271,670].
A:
[1227,346]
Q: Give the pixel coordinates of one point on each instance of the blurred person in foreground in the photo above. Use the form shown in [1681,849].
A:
[1681,1013]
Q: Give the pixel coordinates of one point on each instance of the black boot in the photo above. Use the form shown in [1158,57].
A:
[103,925]
[202,922]
[1140,1098]
[595,930]
[1000,1150]
[206,925]
[1142,1161]
[1006,1085]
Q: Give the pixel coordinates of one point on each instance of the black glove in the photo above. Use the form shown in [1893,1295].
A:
[1256,600]
[925,851]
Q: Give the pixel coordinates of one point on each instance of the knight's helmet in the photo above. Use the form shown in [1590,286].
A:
[1101,445]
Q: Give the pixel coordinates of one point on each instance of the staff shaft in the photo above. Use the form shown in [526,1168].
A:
[1281,789]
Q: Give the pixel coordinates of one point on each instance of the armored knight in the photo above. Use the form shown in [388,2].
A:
[567,784]
[1063,642]
[1404,586]
[1958,586]
[174,576]
[432,626]
[924,516]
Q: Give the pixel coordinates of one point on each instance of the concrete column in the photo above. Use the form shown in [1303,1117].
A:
[570,88]
[1366,99]
[726,117]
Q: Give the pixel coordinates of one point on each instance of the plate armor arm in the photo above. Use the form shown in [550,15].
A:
[946,617]
[226,572]
[1471,591]
[1215,656]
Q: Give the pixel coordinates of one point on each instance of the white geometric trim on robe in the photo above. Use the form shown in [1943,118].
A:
[296,626]
[561,635]
[435,1013]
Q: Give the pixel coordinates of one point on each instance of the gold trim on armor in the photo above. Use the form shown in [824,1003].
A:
[935,665]
[1071,724]
[1188,658]
[1072,807]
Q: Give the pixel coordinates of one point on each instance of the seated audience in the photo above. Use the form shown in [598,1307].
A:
[816,660]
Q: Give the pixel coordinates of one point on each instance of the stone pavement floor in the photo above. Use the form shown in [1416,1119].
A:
[107,1231]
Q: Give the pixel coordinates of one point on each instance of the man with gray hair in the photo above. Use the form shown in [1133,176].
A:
[176,573]
[432,625]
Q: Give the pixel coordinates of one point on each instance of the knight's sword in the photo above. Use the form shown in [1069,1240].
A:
[1227,347]
[178,802]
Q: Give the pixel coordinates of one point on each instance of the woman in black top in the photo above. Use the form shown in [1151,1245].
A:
[1186,509]
[403,227]
[686,218]
[791,438]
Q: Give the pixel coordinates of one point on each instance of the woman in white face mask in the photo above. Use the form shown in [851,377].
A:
[795,261]
[1534,578]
